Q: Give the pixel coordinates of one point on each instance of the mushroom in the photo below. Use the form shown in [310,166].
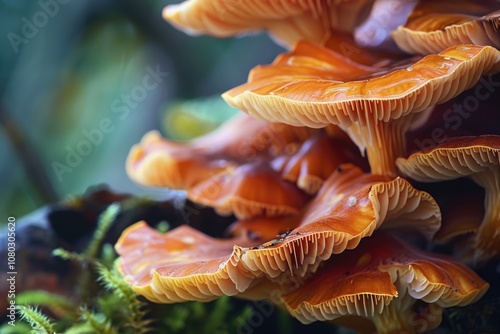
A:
[287,21]
[472,113]
[262,229]
[308,167]
[248,191]
[399,288]
[435,26]
[160,162]
[185,264]
[308,60]
[349,206]
[266,173]
[344,44]
[475,157]
[181,265]
[375,106]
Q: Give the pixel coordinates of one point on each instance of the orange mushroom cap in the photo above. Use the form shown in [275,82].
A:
[349,206]
[381,280]
[375,107]
[159,162]
[463,115]
[344,44]
[181,265]
[248,191]
[185,264]
[263,229]
[476,157]
[287,21]
[308,167]
[309,61]
[436,25]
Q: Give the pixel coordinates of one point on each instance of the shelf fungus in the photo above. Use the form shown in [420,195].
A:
[185,264]
[435,26]
[181,265]
[308,167]
[349,206]
[277,187]
[287,21]
[319,228]
[474,157]
[248,191]
[395,286]
[374,106]
[158,162]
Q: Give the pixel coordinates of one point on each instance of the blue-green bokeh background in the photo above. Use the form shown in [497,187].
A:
[63,77]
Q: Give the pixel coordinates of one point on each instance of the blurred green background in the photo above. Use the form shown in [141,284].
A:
[73,70]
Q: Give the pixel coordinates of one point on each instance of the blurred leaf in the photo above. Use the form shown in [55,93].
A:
[191,118]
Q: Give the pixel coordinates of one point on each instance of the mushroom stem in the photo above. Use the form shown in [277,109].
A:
[487,242]
[383,141]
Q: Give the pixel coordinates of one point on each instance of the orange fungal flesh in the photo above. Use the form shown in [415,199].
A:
[374,106]
[477,158]
[380,273]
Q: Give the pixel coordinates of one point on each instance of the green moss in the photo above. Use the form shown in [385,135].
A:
[111,306]
[40,323]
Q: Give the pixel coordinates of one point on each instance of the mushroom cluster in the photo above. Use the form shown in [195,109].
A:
[324,232]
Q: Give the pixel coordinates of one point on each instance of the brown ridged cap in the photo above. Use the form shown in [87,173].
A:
[159,162]
[262,229]
[344,44]
[316,87]
[308,167]
[181,265]
[287,21]
[349,207]
[477,158]
[454,158]
[249,191]
[381,280]
[185,264]
[435,26]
